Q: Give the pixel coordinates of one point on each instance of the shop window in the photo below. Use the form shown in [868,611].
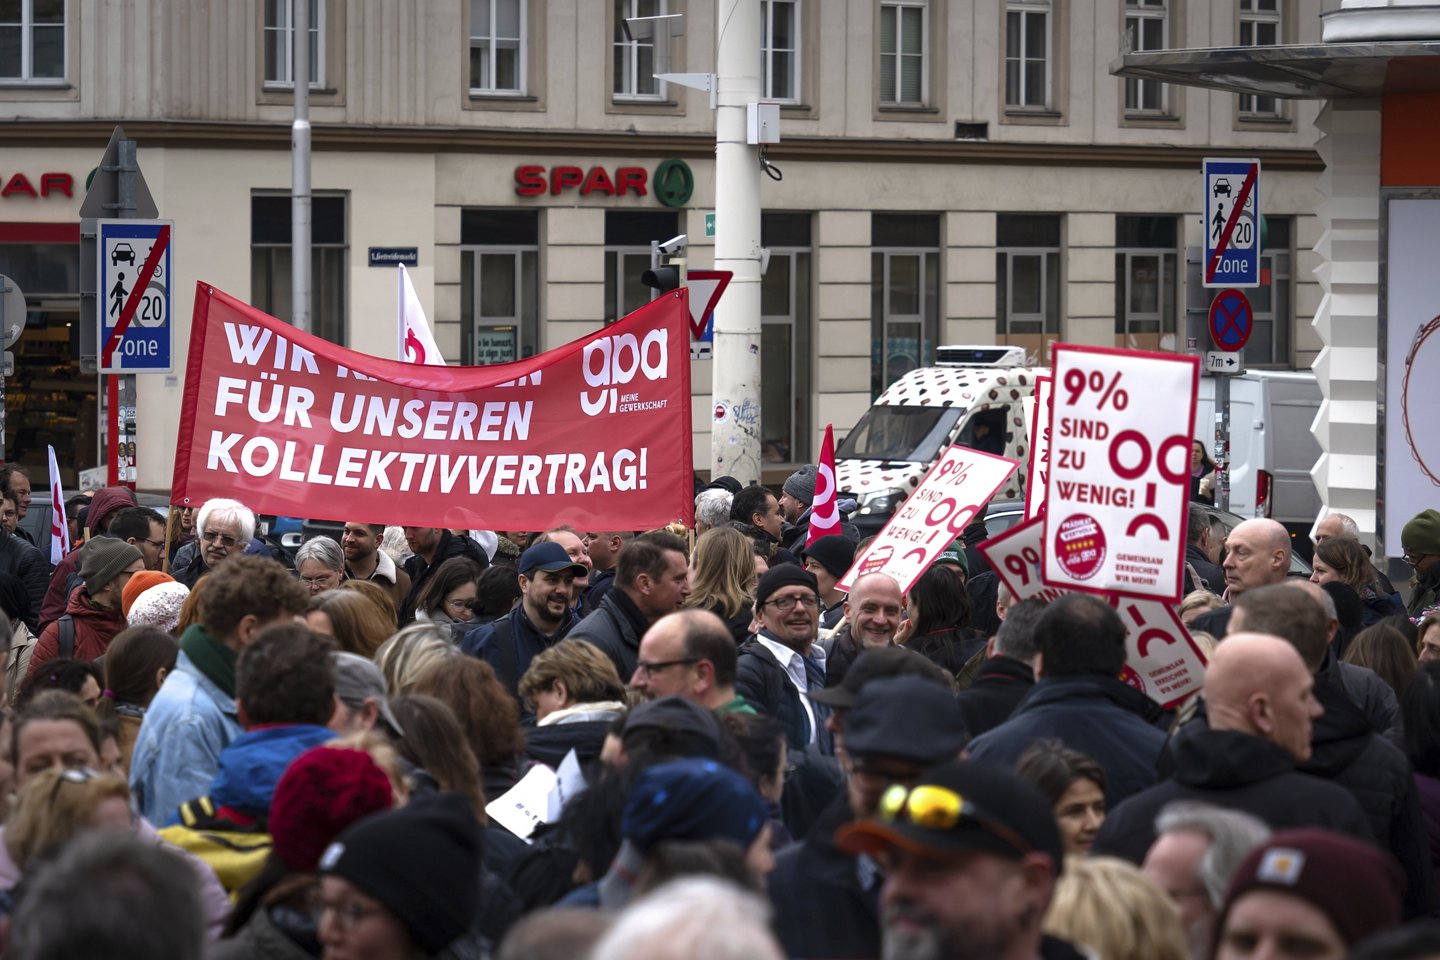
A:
[1027,282]
[1147,29]
[904,295]
[1145,262]
[1261,25]
[904,35]
[1028,54]
[499,285]
[270,261]
[32,40]
[1273,301]
[780,49]
[634,60]
[786,338]
[628,234]
[497,47]
[279,43]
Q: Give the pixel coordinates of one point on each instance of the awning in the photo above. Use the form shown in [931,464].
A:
[1296,71]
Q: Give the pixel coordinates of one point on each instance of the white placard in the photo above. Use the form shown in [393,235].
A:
[1014,555]
[1119,485]
[934,516]
[1162,661]
[1037,417]
[527,804]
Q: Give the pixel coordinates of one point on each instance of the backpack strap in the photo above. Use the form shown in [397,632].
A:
[66,636]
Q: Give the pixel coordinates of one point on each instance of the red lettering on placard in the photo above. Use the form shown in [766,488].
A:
[562,177]
[19,183]
[631,178]
[529,181]
[57,183]
[597,179]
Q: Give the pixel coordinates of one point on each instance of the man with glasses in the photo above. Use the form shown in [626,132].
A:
[781,665]
[1421,542]
[143,529]
[689,654]
[223,529]
[971,856]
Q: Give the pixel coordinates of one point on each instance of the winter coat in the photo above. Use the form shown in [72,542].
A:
[104,503]
[1213,576]
[1092,713]
[1426,593]
[29,566]
[737,623]
[95,627]
[827,904]
[510,642]
[419,571]
[615,627]
[1344,751]
[389,577]
[1368,692]
[600,582]
[948,649]
[762,681]
[1378,606]
[997,690]
[251,765]
[262,938]
[841,650]
[583,729]
[1238,771]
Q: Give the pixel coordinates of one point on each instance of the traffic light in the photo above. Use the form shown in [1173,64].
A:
[664,279]
[667,264]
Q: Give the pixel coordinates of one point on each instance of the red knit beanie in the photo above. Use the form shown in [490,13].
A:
[321,793]
[1356,884]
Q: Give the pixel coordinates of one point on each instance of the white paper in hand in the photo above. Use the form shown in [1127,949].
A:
[525,805]
[569,784]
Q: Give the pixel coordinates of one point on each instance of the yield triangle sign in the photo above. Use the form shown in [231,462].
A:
[103,193]
[706,286]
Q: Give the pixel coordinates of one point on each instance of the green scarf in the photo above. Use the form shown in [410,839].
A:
[210,657]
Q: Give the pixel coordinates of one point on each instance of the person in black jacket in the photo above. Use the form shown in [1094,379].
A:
[1008,675]
[1197,552]
[26,564]
[777,669]
[1261,709]
[432,546]
[652,578]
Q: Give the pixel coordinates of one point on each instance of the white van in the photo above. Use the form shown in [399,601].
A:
[1272,450]
[972,396]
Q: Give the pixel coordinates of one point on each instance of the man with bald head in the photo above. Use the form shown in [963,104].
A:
[872,617]
[689,654]
[1257,554]
[1260,709]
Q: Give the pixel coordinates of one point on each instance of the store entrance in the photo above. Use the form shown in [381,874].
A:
[49,401]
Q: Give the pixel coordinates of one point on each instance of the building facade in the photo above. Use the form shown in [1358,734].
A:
[950,171]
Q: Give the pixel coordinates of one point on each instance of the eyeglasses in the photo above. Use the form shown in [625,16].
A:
[157,544]
[932,807]
[1412,558]
[347,914]
[651,668]
[319,581]
[786,604]
[210,536]
[71,775]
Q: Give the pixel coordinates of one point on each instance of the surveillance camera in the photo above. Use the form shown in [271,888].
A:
[674,245]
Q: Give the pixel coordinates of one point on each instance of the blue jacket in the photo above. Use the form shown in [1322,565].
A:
[253,762]
[521,643]
[177,751]
[1092,713]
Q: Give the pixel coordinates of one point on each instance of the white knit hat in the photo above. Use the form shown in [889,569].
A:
[159,606]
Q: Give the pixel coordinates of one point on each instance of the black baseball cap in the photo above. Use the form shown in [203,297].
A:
[908,717]
[959,807]
[876,662]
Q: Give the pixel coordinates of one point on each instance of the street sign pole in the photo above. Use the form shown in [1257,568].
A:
[121,387]
[1222,442]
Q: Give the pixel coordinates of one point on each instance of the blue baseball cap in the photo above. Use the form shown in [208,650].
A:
[550,557]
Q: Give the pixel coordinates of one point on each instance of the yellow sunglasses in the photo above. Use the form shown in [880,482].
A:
[932,807]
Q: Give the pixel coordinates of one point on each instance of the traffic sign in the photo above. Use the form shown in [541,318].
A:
[1231,320]
[1232,223]
[706,288]
[1224,363]
[134,271]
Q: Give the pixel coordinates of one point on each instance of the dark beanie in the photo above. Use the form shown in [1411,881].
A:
[1422,534]
[783,575]
[1354,883]
[801,484]
[103,559]
[321,793]
[835,552]
[692,800]
[422,862]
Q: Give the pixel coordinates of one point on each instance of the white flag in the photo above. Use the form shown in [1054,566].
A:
[59,526]
[417,345]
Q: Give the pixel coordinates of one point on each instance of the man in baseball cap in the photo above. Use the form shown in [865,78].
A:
[540,620]
[970,855]
[360,688]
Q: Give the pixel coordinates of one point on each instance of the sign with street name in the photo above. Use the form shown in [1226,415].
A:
[390,256]
[134,271]
[1232,223]
[1231,320]
[1119,485]
[1162,660]
[933,517]
[1222,363]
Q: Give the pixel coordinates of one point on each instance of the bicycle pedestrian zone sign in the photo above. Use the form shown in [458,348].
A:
[1232,223]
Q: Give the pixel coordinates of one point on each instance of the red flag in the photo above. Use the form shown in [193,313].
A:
[824,517]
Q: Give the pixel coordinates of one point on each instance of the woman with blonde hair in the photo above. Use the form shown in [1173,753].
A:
[350,619]
[1107,906]
[411,652]
[58,804]
[576,694]
[1196,603]
[722,578]
[377,595]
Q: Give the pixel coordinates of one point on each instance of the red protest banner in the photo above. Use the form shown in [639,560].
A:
[934,516]
[1037,474]
[595,433]
[1162,660]
[1119,483]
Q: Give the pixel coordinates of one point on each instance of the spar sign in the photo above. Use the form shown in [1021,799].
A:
[935,515]
[1119,484]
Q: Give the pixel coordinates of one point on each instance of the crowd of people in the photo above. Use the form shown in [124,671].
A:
[212,748]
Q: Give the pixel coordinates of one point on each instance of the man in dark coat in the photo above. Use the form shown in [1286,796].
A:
[1079,701]
[431,547]
[1260,713]
[652,579]
[778,669]
[1008,676]
[1197,552]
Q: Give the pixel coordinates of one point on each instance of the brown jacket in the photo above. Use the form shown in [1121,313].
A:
[389,575]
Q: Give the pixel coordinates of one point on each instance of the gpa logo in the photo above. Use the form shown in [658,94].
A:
[611,363]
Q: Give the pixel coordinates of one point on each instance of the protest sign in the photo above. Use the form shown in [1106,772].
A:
[526,805]
[595,433]
[1014,555]
[1119,483]
[1162,660]
[934,516]
[1037,415]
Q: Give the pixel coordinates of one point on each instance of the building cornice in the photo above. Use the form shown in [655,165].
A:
[414,139]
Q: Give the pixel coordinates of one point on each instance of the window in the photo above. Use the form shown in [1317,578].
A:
[1027,282]
[497,46]
[32,40]
[785,339]
[1260,26]
[270,269]
[499,285]
[1145,264]
[904,295]
[903,36]
[628,235]
[1147,28]
[1027,53]
[1269,344]
[780,48]
[635,59]
[279,35]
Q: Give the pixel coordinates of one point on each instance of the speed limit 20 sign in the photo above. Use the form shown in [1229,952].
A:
[133,289]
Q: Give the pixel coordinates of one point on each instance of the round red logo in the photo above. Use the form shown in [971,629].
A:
[1080,546]
[1132,679]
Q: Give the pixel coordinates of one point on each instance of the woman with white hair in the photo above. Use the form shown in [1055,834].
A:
[320,564]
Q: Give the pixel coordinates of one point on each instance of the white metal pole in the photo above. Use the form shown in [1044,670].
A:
[300,170]
[735,432]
